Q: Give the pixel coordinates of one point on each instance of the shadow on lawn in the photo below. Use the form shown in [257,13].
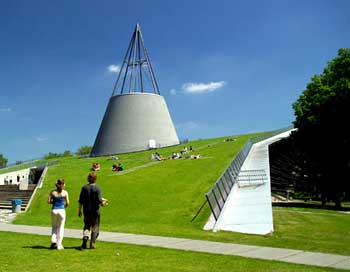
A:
[48,248]
[309,205]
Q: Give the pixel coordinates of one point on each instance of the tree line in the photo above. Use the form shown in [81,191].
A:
[84,150]
[320,147]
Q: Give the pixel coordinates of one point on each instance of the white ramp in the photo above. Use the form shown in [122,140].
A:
[248,208]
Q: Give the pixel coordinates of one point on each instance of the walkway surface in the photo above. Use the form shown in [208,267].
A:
[266,253]
[134,168]
[248,208]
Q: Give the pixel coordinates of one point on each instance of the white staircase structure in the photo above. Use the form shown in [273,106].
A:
[248,208]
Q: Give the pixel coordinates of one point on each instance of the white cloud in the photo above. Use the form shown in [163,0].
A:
[41,139]
[5,109]
[113,68]
[198,88]
[173,92]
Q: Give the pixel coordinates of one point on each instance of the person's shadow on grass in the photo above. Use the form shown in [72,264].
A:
[47,247]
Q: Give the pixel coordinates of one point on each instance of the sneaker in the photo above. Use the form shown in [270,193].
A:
[84,244]
[53,246]
[60,247]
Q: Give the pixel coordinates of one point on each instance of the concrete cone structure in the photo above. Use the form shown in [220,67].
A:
[135,120]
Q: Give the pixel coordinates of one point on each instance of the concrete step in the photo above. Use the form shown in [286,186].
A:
[9,193]
[9,207]
[10,203]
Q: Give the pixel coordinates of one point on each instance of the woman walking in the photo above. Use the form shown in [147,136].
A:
[59,200]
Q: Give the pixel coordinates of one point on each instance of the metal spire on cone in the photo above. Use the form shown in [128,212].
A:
[136,73]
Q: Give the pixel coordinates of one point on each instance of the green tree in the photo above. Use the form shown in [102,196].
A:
[67,153]
[322,113]
[52,155]
[3,161]
[84,150]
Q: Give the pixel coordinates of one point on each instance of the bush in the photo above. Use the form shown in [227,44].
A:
[3,161]
[84,150]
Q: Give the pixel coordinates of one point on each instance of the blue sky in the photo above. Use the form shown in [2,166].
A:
[224,67]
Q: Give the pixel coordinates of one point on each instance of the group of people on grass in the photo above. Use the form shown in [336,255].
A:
[115,167]
[177,155]
[90,200]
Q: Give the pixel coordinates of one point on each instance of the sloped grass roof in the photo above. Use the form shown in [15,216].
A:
[161,198]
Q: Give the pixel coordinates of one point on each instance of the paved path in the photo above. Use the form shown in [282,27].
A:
[258,252]
[134,168]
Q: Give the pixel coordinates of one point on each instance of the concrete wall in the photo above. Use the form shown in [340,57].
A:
[131,121]
[24,175]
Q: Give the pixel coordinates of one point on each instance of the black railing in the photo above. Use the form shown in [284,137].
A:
[219,192]
[32,164]
[48,163]
[19,163]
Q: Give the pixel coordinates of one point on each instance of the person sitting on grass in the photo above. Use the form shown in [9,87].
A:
[95,166]
[175,156]
[117,167]
[158,157]
[184,150]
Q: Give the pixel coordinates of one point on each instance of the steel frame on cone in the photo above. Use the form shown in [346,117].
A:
[131,77]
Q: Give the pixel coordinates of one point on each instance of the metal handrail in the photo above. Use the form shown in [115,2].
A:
[30,164]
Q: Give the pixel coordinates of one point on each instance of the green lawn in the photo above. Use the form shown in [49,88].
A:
[23,252]
[161,199]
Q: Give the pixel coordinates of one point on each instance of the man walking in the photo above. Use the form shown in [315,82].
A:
[90,200]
